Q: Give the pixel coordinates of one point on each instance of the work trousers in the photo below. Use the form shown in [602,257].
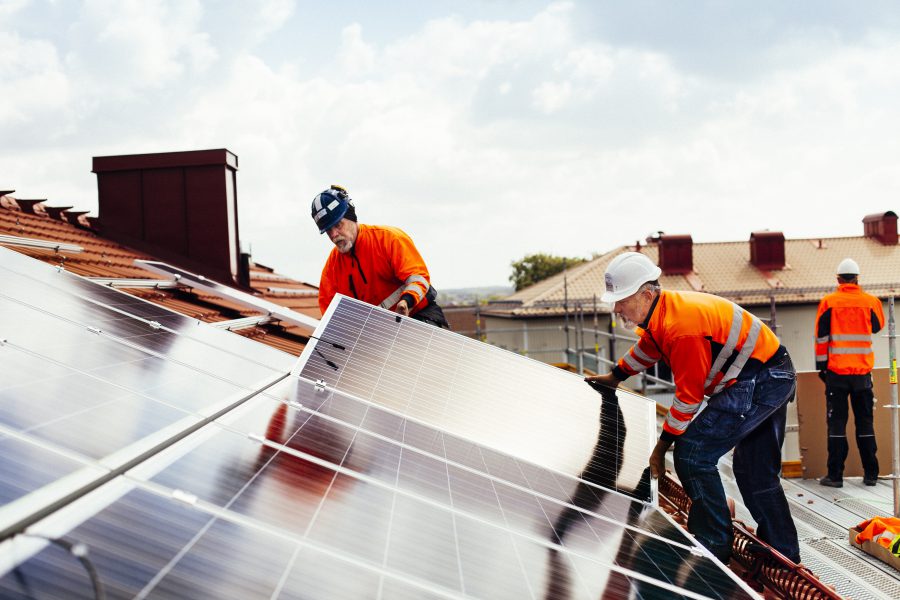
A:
[748,416]
[862,400]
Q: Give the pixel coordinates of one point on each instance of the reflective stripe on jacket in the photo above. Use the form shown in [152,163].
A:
[383,266]
[845,322]
[706,340]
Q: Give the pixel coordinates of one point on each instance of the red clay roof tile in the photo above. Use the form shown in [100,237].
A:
[104,258]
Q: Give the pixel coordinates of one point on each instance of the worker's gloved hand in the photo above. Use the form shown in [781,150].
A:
[402,308]
[598,382]
[822,375]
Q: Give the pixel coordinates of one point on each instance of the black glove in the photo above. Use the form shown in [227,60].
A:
[823,375]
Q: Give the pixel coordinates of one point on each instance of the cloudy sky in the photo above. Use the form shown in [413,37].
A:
[488,130]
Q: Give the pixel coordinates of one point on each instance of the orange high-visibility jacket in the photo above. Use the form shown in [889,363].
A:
[845,322]
[872,529]
[383,266]
[706,340]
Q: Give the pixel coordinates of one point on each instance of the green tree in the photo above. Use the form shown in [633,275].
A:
[537,267]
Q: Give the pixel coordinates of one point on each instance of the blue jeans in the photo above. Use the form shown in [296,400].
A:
[748,416]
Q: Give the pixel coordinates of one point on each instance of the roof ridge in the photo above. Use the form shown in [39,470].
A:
[576,272]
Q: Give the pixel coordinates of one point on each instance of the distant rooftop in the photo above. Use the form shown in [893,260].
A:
[748,272]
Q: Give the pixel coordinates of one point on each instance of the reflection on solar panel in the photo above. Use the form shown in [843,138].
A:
[187,465]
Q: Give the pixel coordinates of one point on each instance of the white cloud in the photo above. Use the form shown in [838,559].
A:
[122,47]
[355,56]
[486,139]
[35,86]
[550,96]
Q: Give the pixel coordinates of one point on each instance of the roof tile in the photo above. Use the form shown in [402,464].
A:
[104,258]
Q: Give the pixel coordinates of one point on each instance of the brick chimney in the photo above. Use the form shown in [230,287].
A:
[767,250]
[180,207]
[882,227]
[676,254]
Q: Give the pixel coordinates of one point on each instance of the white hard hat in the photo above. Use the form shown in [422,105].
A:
[626,273]
[848,266]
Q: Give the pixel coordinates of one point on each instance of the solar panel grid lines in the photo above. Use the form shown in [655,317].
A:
[78,298]
[560,495]
[281,488]
[114,465]
[332,336]
[33,474]
[232,513]
[218,364]
[493,379]
[57,412]
[437,505]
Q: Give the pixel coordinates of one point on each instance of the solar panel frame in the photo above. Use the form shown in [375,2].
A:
[408,506]
[495,397]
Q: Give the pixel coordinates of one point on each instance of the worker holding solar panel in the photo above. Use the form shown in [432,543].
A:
[715,349]
[377,264]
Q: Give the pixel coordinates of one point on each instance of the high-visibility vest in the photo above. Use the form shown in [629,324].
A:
[874,529]
[845,322]
[706,340]
[383,265]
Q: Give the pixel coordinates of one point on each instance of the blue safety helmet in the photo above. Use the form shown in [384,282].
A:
[329,207]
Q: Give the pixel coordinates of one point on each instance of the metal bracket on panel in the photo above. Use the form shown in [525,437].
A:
[320,385]
[256,437]
[699,551]
[791,428]
[3,342]
[154,324]
[295,404]
[94,330]
[185,497]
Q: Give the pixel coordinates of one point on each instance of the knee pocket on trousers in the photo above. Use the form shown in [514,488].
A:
[715,424]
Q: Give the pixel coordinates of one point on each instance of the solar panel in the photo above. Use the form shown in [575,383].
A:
[319,485]
[482,393]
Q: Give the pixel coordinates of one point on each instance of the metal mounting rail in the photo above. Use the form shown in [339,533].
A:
[243,323]
[14,240]
[124,282]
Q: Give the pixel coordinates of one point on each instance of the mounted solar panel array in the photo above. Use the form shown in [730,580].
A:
[188,464]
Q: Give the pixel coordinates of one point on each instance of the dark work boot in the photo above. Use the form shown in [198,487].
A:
[829,482]
[870,479]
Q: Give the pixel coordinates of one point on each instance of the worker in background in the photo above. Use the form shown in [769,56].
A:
[714,348]
[845,322]
[373,263]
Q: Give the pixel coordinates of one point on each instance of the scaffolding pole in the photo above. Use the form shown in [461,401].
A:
[895,408]
[566,309]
